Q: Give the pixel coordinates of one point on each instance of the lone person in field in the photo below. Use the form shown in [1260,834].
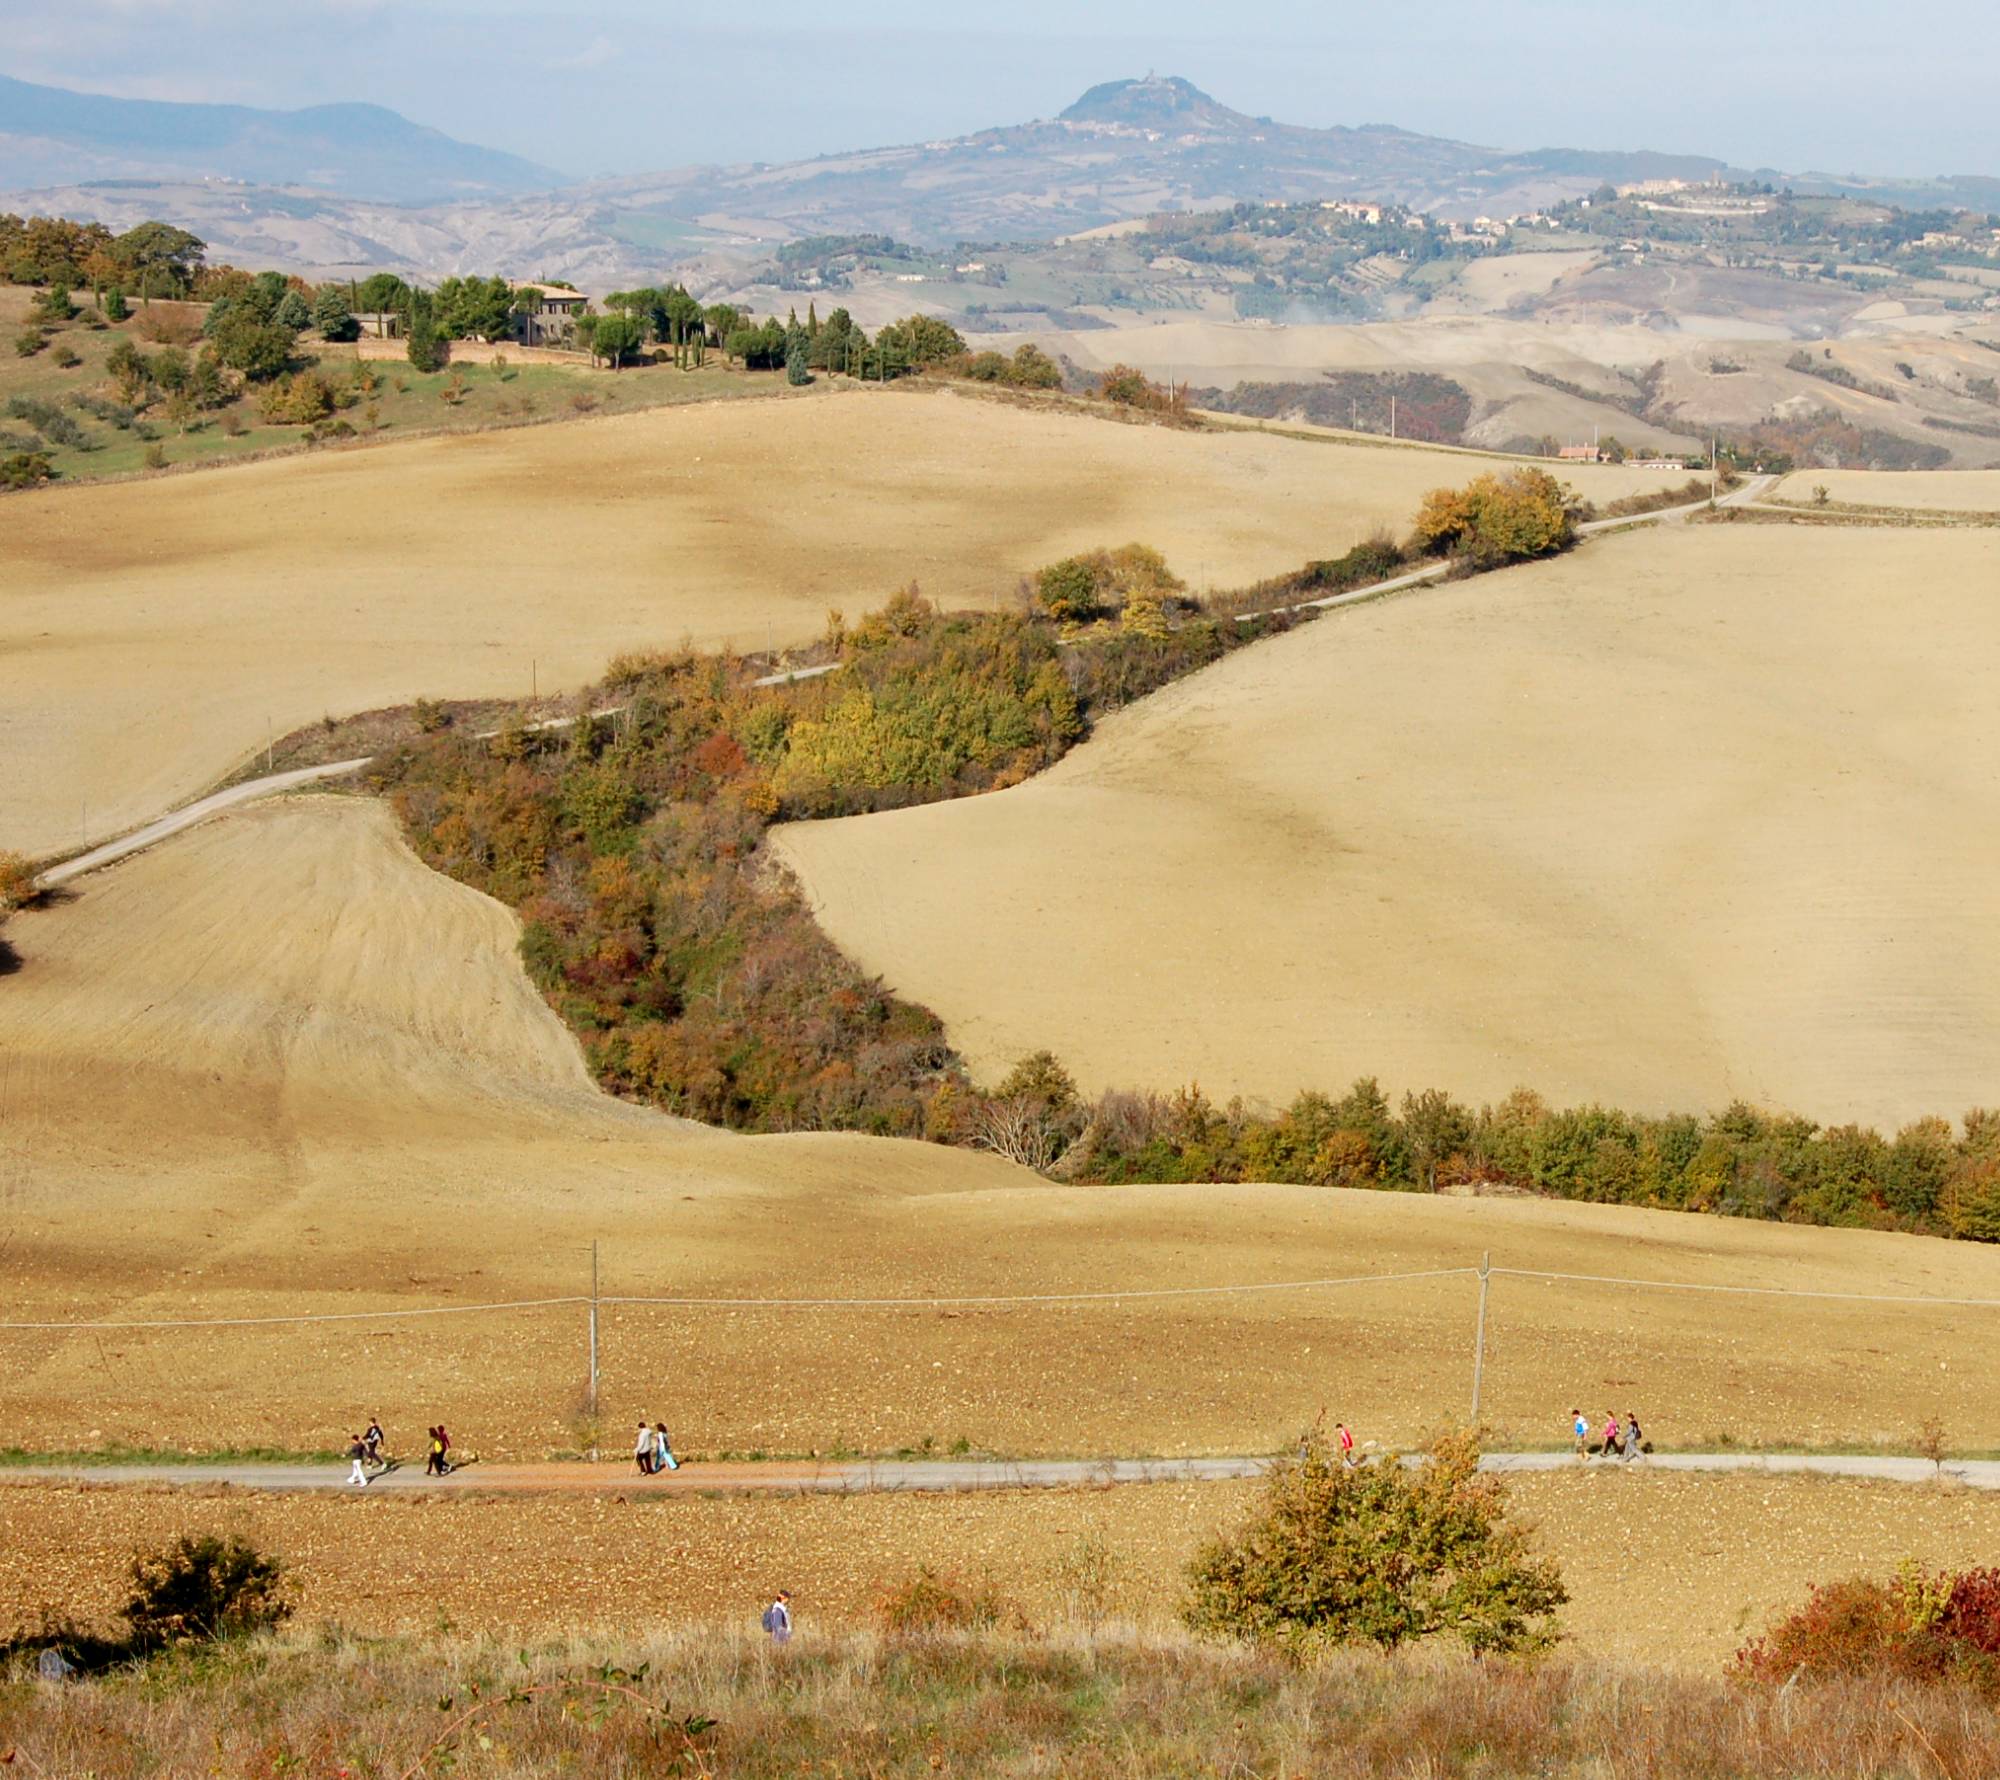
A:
[778,1619]
[1346,1444]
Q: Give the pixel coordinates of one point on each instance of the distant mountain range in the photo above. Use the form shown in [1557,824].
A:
[51,136]
[351,187]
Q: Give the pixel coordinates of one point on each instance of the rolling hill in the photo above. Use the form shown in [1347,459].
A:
[52,136]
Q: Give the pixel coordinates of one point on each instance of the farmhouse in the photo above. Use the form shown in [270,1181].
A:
[549,314]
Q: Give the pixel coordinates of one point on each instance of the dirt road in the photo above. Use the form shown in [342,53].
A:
[873,1476]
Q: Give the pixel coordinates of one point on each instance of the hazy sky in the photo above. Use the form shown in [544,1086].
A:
[1837,85]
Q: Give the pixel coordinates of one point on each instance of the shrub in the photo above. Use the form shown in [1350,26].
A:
[156,456]
[1380,1554]
[30,341]
[925,1604]
[51,422]
[66,356]
[1083,587]
[204,1588]
[116,414]
[115,306]
[25,469]
[54,303]
[1924,1626]
[167,325]
[17,881]
[1497,519]
[297,401]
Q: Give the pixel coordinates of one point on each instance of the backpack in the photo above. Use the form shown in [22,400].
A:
[771,1617]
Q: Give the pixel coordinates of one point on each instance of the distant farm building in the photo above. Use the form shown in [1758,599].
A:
[549,314]
[1580,454]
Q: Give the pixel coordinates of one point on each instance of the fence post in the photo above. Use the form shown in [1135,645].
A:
[1479,1337]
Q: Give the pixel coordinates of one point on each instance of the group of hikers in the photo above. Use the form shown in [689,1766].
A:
[365,1453]
[653,1452]
[1614,1443]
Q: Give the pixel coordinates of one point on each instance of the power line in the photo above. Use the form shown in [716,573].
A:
[1681,1285]
[997,1301]
[1102,1297]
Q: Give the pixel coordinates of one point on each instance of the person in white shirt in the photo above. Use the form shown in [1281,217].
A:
[778,1619]
[642,1451]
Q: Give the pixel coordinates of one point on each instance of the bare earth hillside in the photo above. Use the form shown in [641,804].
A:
[1687,816]
[276,1067]
[157,631]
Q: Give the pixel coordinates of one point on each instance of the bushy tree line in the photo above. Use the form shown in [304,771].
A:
[1740,1162]
[152,260]
[633,848]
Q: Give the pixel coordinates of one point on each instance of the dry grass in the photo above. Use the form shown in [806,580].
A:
[1688,816]
[1663,1568]
[1008,1704]
[276,1066]
[157,632]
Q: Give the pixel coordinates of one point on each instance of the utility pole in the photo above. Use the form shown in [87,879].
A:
[1392,417]
[1479,1339]
[593,1340]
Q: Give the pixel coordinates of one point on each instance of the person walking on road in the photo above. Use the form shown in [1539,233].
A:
[434,1456]
[1611,1447]
[642,1450]
[778,1618]
[1346,1444]
[357,1450]
[1635,1442]
[663,1450]
[372,1439]
[1581,1429]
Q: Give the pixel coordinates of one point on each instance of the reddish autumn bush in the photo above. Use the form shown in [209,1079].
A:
[1928,1627]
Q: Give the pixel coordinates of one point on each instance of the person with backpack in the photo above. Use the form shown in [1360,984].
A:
[357,1450]
[372,1439]
[642,1450]
[1581,1429]
[1635,1442]
[663,1450]
[778,1619]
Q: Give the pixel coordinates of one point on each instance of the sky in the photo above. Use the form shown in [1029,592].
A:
[1836,86]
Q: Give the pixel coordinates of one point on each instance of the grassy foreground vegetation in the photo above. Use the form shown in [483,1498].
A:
[995,1701]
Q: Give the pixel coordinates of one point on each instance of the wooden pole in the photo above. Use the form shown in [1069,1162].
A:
[1479,1338]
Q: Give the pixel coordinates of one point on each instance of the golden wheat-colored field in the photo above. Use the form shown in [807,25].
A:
[1961,491]
[277,1066]
[156,632]
[1693,814]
